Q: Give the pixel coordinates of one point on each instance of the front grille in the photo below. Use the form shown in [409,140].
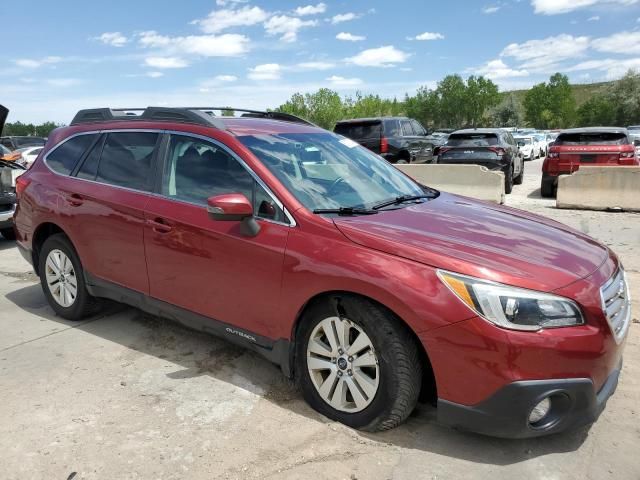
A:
[616,304]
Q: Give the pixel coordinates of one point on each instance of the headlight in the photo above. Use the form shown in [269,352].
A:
[512,307]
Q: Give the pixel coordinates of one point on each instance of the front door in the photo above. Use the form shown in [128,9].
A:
[209,267]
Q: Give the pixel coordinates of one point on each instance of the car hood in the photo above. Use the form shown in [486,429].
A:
[481,239]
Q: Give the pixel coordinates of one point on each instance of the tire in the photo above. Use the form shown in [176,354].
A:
[547,187]
[8,233]
[518,180]
[392,363]
[82,304]
[508,180]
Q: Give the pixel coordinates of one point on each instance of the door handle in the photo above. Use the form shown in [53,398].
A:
[159,225]
[74,200]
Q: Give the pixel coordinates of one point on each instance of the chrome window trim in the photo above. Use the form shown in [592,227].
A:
[255,176]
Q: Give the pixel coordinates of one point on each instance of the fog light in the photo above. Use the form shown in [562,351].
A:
[540,411]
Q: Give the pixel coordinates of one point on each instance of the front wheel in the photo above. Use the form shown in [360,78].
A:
[518,180]
[508,180]
[358,364]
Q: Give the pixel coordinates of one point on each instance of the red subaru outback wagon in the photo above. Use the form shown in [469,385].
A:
[372,290]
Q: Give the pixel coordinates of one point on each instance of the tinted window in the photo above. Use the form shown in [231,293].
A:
[406,128]
[65,157]
[126,160]
[392,128]
[197,169]
[89,168]
[417,128]
[592,138]
[28,141]
[472,140]
[359,131]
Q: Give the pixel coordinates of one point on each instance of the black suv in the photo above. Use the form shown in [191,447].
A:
[396,139]
[493,148]
[13,142]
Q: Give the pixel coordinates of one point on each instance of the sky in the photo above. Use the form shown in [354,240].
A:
[58,57]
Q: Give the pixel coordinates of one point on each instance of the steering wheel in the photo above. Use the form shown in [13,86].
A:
[334,185]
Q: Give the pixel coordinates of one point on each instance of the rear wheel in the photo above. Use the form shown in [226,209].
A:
[508,180]
[360,367]
[63,281]
[8,233]
[519,178]
[547,187]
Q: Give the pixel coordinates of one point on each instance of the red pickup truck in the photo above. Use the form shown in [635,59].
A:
[586,146]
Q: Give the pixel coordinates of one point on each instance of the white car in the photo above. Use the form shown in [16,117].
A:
[28,155]
[541,146]
[527,147]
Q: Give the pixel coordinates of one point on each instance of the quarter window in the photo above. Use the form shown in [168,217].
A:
[126,160]
[196,170]
[407,131]
[64,158]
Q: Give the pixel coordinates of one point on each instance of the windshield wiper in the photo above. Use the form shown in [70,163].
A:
[346,211]
[399,200]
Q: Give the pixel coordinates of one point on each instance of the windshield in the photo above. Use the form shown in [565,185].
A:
[323,170]
[28,141]
[472,139]
[592,138]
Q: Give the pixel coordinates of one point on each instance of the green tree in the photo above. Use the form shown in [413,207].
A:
[481,94]
[551,105]
[509,113]
[596,111]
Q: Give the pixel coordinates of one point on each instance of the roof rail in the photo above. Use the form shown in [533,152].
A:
[197,115]
[165,114]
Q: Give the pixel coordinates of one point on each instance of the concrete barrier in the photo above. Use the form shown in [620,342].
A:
[470,180]
[600,188]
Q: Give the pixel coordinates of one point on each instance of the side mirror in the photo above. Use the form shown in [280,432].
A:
[234,207]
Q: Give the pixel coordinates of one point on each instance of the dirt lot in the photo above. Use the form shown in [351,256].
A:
[125,395]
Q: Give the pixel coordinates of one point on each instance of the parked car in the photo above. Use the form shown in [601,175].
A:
[368,288]
[526,147]
[585,146]
[9,172]
[490,147]
[396,139]
[541,145]
[28,155]
[16,142]
[438,138]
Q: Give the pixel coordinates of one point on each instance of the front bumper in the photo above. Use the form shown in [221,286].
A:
[574,403]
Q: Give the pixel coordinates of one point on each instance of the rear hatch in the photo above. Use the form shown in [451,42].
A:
[475,148]
[367,133]
[571,150]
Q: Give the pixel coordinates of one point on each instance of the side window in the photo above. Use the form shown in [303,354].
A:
[407,131]
[126,160]
[196,170]
[391,128]
[64,158]
[417,128]
[89,168]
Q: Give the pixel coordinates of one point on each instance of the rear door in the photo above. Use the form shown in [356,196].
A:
[421,144]
[106,202]
[366,133]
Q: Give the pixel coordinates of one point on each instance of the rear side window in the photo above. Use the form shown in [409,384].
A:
[359,131]
[406,128]
[392,128]
[592,138]
[64,158]
[473,140]
[417,128]
[89,168]
[126,160]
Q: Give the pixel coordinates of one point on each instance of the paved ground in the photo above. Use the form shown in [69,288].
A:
[124,395]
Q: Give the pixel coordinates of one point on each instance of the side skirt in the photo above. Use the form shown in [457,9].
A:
[276,351]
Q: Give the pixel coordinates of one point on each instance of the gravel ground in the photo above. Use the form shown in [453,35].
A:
[125,395]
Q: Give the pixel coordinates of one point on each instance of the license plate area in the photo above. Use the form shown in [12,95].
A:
[588,158]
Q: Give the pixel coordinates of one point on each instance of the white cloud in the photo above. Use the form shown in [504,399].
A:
[428,36]
[544,55]
[114,39]
[555,7]
[224,3]
[35,63]
[621,42]
[226,78]
[316,65]
[337,81]
[386,56]
[490,10]
[497,69]
[63,82]
[350,37]
[165,62]
[267,71]
[595,18]
[219,20]
[613,68]
[226,45]
[287,26]
[154,74]
[311,9]
[343,17]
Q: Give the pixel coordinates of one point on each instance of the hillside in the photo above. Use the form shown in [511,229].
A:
[582,92]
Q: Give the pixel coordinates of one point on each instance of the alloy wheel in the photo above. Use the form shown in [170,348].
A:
[343,365]
[61,278]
